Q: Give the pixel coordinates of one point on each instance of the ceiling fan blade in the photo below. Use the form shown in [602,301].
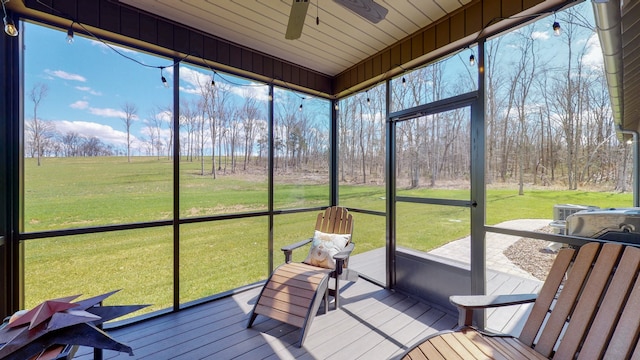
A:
[296,19]
[368,9]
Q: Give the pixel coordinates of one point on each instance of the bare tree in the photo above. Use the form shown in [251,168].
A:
[71,142]
[130,115]
[250,114]
[188,114]
[524,75]
[201,130]
[154,129]
[38,129]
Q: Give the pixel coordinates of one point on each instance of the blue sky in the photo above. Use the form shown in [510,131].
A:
[89,82]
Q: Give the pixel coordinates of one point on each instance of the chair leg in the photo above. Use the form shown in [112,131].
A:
[252,318]
[337,293]
[326,300]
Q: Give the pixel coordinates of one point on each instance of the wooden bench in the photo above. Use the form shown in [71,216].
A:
[588,308]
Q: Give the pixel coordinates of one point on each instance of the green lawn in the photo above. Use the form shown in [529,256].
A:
[222,255]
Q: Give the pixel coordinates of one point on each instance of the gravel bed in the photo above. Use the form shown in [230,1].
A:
[532,256]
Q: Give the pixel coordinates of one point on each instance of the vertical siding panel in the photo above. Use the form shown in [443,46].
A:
[109,17]
[429,40]
[87,13]
[443,33]
[491,11]
[246,60]
[181,39]
[196,45]
[457,30]
[511,7]
[210,48]
[376,64]
[416,45]
[267,66]
[473,18]
[396,55]
[368,69]
[129,23]
[235,57]
[385,61]
[148,29]
[405,52]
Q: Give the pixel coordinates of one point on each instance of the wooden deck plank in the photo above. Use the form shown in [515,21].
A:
[379,324]
[370,330]
[503,319]
[402,331]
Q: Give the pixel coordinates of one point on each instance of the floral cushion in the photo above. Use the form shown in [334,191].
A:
[324,247]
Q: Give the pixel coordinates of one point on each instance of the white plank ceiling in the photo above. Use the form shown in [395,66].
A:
[341,40]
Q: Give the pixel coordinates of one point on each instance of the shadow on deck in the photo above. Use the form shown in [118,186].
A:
[373,323]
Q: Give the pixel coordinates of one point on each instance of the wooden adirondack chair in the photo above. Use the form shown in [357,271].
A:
[294,291]
[588,307]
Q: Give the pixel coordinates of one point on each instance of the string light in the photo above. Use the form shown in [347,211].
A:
[472,60]
[213,79]
[164,80]
[404,82]
[336,107]
[300,108]
[557,30]
[70,34]
[9,27]
[556,26]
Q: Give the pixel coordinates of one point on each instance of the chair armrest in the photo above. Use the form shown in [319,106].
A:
[344,253]
[467,303]
[288,249]
[342,256]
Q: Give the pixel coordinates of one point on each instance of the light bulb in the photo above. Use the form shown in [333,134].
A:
[300,108]
[70,36]
[472,60]
[404,82]
[9,27]
[164,81]
[556,28]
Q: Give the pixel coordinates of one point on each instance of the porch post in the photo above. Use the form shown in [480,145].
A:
[11,162]
[391,194]
[478,196]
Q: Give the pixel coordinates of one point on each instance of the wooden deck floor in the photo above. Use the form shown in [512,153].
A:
[373,323]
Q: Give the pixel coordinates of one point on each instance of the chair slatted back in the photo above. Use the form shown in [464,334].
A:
[335,220]
[597,311]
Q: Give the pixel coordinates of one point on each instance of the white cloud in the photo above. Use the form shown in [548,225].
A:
[65,75]
[104,112]
[540,35]
[253,90]
[192,90]
[195,79]
[593,56]
[109,112]
[105,133]
[80,104]
[89,90]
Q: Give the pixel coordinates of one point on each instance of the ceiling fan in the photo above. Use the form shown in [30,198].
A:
[367,9]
